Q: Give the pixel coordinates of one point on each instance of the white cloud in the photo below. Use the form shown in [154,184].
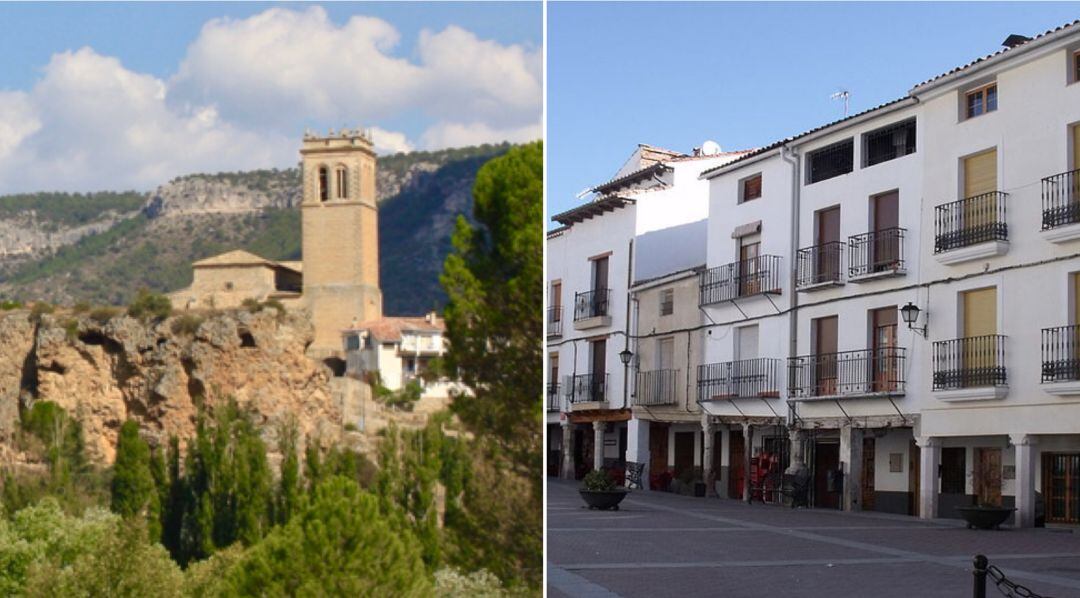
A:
[459,135]
[390,142]
[17,121]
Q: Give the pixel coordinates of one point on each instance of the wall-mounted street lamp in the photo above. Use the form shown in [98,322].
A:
[624,356]
[910,314]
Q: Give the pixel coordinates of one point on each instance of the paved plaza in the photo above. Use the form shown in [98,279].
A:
[661,544]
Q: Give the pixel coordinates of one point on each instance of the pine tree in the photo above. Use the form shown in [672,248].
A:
[132,483]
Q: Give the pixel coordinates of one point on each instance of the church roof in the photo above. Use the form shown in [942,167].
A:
[390,329]
[237,257]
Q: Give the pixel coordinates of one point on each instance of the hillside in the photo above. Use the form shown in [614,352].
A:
[102,247]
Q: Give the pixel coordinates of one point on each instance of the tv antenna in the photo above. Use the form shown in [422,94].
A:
[842,94]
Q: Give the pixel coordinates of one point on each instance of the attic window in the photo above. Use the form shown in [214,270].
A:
[980,101]
[667,302]
[831,161]
[750,188]
[1076,66]
[888,143]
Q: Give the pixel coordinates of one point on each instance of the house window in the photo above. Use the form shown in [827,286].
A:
[352,342]
[667,302]
[341,182]
[1074,70]
[980,101]
[324,182]
[751,188]
[888,143]
[831,161]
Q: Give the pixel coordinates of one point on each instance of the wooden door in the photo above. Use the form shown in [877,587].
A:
[885,367]
[749,276]
[825,347]
[556,300]
[954,470]
[598,369]
[868,463]
[826,459]
[737,479]
[885,247]
[1076,299]
[599,304]
[658,450]
[828,231]
[684,453]
[914,467]
[1061,487]
[987,476]
[980,178]
[600,273]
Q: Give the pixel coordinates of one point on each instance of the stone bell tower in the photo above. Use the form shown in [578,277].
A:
[340,234]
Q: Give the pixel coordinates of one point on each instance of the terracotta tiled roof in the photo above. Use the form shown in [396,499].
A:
[591,209]
[390,329]
[237,257]
[632,176]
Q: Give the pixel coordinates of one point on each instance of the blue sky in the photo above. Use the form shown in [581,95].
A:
[743,74]
[128,95]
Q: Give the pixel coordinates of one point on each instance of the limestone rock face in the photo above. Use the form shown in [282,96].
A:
[16,348]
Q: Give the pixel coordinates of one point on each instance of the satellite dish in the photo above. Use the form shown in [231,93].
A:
[710,148]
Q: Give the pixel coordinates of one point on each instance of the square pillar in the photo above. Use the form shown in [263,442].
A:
[567,450]
[851,458]
[637,446]
[748,439]
[929,460]
[707,431]
[598,445]
[1025,478]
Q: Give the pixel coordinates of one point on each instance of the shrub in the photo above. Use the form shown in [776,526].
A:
[252,305]
[81,307]
[102,315]
[186,324]
[41,308]
[275,304]
[71,329]
[10,304]
[598,480]
[150,305]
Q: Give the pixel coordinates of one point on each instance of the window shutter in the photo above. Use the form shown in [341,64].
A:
[980,173]
[1076,142]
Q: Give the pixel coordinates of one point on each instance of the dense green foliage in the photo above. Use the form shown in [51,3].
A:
[70,208]
[148,305]
[132,483]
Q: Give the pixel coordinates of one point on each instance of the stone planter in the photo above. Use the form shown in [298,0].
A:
[984,517]
[604,500]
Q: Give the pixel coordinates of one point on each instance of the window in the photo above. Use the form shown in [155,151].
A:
[831,161]
[341,182]
[751,188]
[1076,66]
[324,190]
[888,143]
[667,302]
[352,342]
[981,100]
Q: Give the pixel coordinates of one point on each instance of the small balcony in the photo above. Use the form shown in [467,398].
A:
[656,388]
[554,321]
[819,266]
[1061,360]
[970,368]
[848,374]
[745,379]
[591,309]
[746,278]
[586,388]
[876,254]
[971,228]
[1061,206]
[554,400]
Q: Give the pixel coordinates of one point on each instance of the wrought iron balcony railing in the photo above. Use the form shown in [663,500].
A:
[745,278]
[656,387]
[744,379]
[1061,199]
[586,388]
[819,264]
[970,362]
[1061,354]
[591,304]
[970,221]
[847,373]
[554,400]
[876,252]
[554,320]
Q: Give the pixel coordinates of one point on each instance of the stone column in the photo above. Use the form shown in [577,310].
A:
[567,450]
[708,429]
[637,446]
[1025,478]
[748,454]
[929,460]
[851,458]
[598,445]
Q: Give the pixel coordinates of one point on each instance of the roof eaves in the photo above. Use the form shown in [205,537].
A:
[641,285]
[592,209]
[637,174]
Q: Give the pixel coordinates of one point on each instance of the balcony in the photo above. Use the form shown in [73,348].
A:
[554,401]
[554,321]
[746,278]
[746,379]
[591,309]
[656,387]
[876,254]
[1061,360]
[971,228]
[970,368]
[1061,207]
[819,266]
[848,374]
[586,388]
[423,345]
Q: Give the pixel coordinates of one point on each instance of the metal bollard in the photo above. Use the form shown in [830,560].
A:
[980,576]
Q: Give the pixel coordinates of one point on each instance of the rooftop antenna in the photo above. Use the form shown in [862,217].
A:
[842,94]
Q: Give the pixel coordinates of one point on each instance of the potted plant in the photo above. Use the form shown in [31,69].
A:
[984,516]
[600,492]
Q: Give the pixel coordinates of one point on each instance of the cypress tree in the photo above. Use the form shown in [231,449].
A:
[132,482]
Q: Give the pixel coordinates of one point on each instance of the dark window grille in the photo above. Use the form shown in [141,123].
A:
[554,320]
[889,143]
[851,373]
[656,387]
[591,304]
[667,302]
[875,252]
[553,398]
[745,379]
[970,362]
[831,161]
[745,278]
[586,388]
[1061,353]
[1061,199]
[819,264]
[970,221]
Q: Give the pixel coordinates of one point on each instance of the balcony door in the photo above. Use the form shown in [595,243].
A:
[883,361]
[885,247]
[556,300]
[1076,147]
[599,301]
[746,349]
[980,321]
[749,250]
[828,255]
[980,178]
[597,370]
[825,347]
